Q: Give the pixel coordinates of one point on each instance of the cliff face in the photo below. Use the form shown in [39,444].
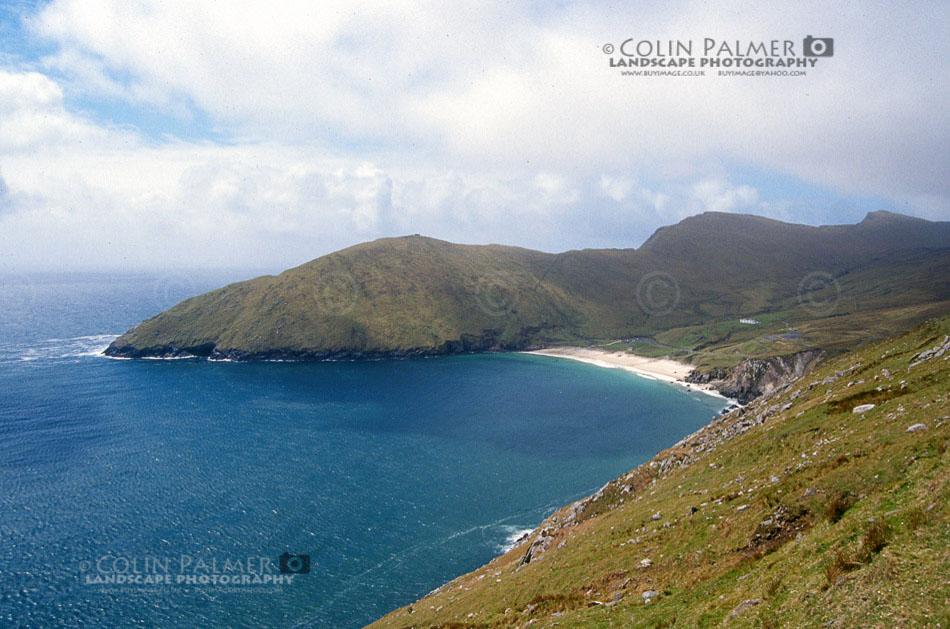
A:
[758,376]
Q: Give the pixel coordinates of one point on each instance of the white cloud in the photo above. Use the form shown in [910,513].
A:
[349,120]
[28,90]
[134,204]
[717,195]
[617,188]
[33,117]
[508,84]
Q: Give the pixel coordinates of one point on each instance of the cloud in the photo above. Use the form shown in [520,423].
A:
[33,117]
[6,202]
[505,85]
[131,204]
[717,195]
[339,122]
[617,188]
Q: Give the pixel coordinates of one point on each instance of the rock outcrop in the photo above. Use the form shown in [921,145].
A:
[758,376]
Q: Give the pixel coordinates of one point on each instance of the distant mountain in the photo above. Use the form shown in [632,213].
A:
[421,296]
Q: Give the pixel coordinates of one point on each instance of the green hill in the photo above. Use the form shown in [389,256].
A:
[824,504]
[417,296]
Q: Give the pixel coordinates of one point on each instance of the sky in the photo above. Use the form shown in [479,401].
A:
[201,134]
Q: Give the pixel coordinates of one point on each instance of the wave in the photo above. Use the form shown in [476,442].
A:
[514,534]
[57,349]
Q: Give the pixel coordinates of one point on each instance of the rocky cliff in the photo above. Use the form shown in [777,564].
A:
[758,376]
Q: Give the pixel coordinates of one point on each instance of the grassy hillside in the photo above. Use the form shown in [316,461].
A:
[416,295]
[804,509]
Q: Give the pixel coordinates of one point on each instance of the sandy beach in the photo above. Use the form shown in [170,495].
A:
[654,368]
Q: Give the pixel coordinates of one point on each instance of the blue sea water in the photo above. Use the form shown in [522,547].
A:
[393,476]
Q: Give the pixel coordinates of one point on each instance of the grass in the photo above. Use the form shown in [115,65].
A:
[812,515]
[874,540]
[686,288]
[838,504]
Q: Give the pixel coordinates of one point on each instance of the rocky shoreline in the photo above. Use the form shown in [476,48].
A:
[210,351]
[745,382]
[490,340]
[756,377]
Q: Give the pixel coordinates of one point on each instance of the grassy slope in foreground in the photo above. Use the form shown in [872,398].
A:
[794,511]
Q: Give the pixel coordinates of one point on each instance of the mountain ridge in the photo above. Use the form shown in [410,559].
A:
[415,295]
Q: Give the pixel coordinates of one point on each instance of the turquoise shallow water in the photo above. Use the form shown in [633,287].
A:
[393,476]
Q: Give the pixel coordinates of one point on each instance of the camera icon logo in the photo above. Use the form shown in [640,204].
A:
[818,47]
[294,564]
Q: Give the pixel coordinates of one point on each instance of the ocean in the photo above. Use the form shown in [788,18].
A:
[171,493]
